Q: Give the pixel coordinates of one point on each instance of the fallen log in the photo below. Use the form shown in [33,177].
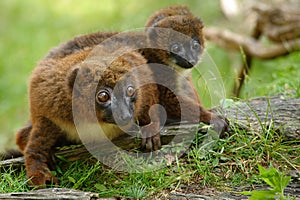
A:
[262,113]
[258,114]
[51,194]
[64,193]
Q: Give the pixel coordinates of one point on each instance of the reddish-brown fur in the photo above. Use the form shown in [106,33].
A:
[51,107]
[167,12]
[182,28]
[50,101]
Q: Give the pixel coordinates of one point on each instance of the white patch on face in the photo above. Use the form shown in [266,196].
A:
[184,75]
[182,80]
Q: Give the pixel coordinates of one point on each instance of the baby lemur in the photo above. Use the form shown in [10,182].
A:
[100,89]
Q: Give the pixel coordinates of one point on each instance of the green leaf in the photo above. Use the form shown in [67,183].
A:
[267,175]
[274,179]
[285,181]
[58,169]
[54,173]
[61,158]
[261,194]
[71,179]
[100,187]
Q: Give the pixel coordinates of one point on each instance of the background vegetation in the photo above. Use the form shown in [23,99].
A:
[28,29]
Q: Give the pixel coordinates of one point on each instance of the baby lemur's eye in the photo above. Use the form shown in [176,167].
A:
[130,91]
[175,48]
[102,97]
[195,45]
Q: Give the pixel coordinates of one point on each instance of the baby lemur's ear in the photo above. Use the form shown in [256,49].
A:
[71,77]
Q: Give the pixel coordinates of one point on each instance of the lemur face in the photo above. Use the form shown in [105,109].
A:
[178,40]
[109,92]
[185,53]
[117,104]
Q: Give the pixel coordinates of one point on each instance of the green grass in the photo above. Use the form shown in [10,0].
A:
[13,180]
[280,75]
[233,161]
[30,28]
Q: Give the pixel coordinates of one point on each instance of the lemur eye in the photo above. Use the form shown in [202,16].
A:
[102,97]
[175,48]
[130,91]
[195,45]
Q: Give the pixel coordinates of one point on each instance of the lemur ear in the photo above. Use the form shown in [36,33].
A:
[71,77]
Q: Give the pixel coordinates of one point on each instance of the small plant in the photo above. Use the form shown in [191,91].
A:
[276,180]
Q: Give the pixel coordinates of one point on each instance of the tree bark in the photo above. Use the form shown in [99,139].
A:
[52,194]
[262,113]
[233,41]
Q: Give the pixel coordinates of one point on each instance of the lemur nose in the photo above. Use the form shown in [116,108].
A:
[123,120]
[193,62]
[125,117]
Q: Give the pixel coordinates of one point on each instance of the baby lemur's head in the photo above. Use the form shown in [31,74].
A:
[178,40]
[172,10]
[109,86]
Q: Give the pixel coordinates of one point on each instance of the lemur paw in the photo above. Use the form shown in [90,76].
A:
[220,125]
[151,137]
[41,179]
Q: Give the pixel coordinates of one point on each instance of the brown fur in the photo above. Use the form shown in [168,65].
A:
[78,43]
[182,95]
[85,42]
[190,27]
[182,28]
[50,101]
[167,12]
[51,106]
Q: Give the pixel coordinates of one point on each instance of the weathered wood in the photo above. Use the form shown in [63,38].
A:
[279,23]
[15,161]
[258,114]
[262,113]
[51,194]
[234,41]
[293,190]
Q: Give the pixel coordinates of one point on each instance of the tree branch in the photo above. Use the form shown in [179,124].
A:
[234,41]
